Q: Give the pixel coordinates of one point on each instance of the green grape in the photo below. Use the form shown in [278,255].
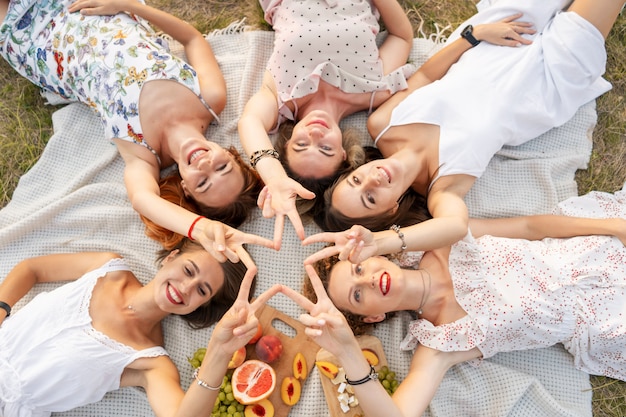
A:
[228,388]
[237,414]
[230,396]
[223,408]
[388,379]
[231,409]
[240,407]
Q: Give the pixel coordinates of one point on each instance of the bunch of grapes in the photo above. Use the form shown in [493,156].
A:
[225,404]
[388,379]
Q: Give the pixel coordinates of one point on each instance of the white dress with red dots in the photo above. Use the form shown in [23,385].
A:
[521,294]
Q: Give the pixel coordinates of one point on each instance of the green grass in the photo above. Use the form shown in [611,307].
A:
[25,123]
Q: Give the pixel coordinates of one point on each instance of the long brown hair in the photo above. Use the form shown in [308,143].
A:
[212,311]
[412,209]
[324,269]
[233,214]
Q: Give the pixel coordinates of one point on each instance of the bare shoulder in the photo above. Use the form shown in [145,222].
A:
[143,371]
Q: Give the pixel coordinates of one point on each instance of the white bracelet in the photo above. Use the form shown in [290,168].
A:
[202,383]
[396,229]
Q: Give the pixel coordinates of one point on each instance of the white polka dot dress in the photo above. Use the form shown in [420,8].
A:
[329,40]
[521,294]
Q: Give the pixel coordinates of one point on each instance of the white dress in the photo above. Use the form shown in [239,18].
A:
[521,294]
[496,95]
[52,359]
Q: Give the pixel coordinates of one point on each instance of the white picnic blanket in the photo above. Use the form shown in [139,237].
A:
[74,199]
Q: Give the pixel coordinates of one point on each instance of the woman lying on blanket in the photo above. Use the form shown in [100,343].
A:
[104,54]
[439,135]
[485,294]
[103,330]
[325,66]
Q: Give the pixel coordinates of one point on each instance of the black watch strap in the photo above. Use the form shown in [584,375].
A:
[466,34]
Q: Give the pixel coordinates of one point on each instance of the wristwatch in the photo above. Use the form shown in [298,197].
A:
[466,33]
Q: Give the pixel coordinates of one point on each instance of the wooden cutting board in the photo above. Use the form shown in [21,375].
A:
[270,319]
[330,389]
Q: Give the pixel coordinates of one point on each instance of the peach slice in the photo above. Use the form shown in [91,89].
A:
[371,356]
[327,369]
[290,390]
[238,357]
[257,335]
[300,370]
[263,408]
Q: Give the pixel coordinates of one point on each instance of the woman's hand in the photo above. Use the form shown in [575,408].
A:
[223,241]
[506,32]
[278,198]
[98,7]
[326,325]
[355,245]
[240,323]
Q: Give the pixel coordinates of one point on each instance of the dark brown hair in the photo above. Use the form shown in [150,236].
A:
[324,269]
[233,214]
[211,312]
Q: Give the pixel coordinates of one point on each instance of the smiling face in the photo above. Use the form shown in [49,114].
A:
[187,280]
[315,148]
[210,174]
[373,287]
[372,189]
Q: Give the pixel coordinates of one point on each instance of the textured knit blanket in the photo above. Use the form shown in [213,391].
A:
[74,199]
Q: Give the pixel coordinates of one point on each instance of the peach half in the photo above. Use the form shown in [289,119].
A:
[263,408]
[290,390]
[371,356]
[327,369]
[300,369]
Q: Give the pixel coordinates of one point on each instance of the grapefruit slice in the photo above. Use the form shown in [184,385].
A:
[253,381]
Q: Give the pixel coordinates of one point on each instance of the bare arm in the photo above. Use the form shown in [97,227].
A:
[259,115]
[448,225]
[233,331]
[329,328]
[542,226]
[396,47]
[506,33]
[50,268]
[197,50]
[141,179]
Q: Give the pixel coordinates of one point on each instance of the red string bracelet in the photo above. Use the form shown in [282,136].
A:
[193,225]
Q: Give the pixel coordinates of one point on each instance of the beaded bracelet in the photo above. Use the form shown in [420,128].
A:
[193,224]
[258,155]
[370,377]
[396,229]
[202,383]
[5,307]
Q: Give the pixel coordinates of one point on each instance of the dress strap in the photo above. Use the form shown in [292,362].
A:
[381,134]
[115,264]
[369,111]
[148,147]
[206,105]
